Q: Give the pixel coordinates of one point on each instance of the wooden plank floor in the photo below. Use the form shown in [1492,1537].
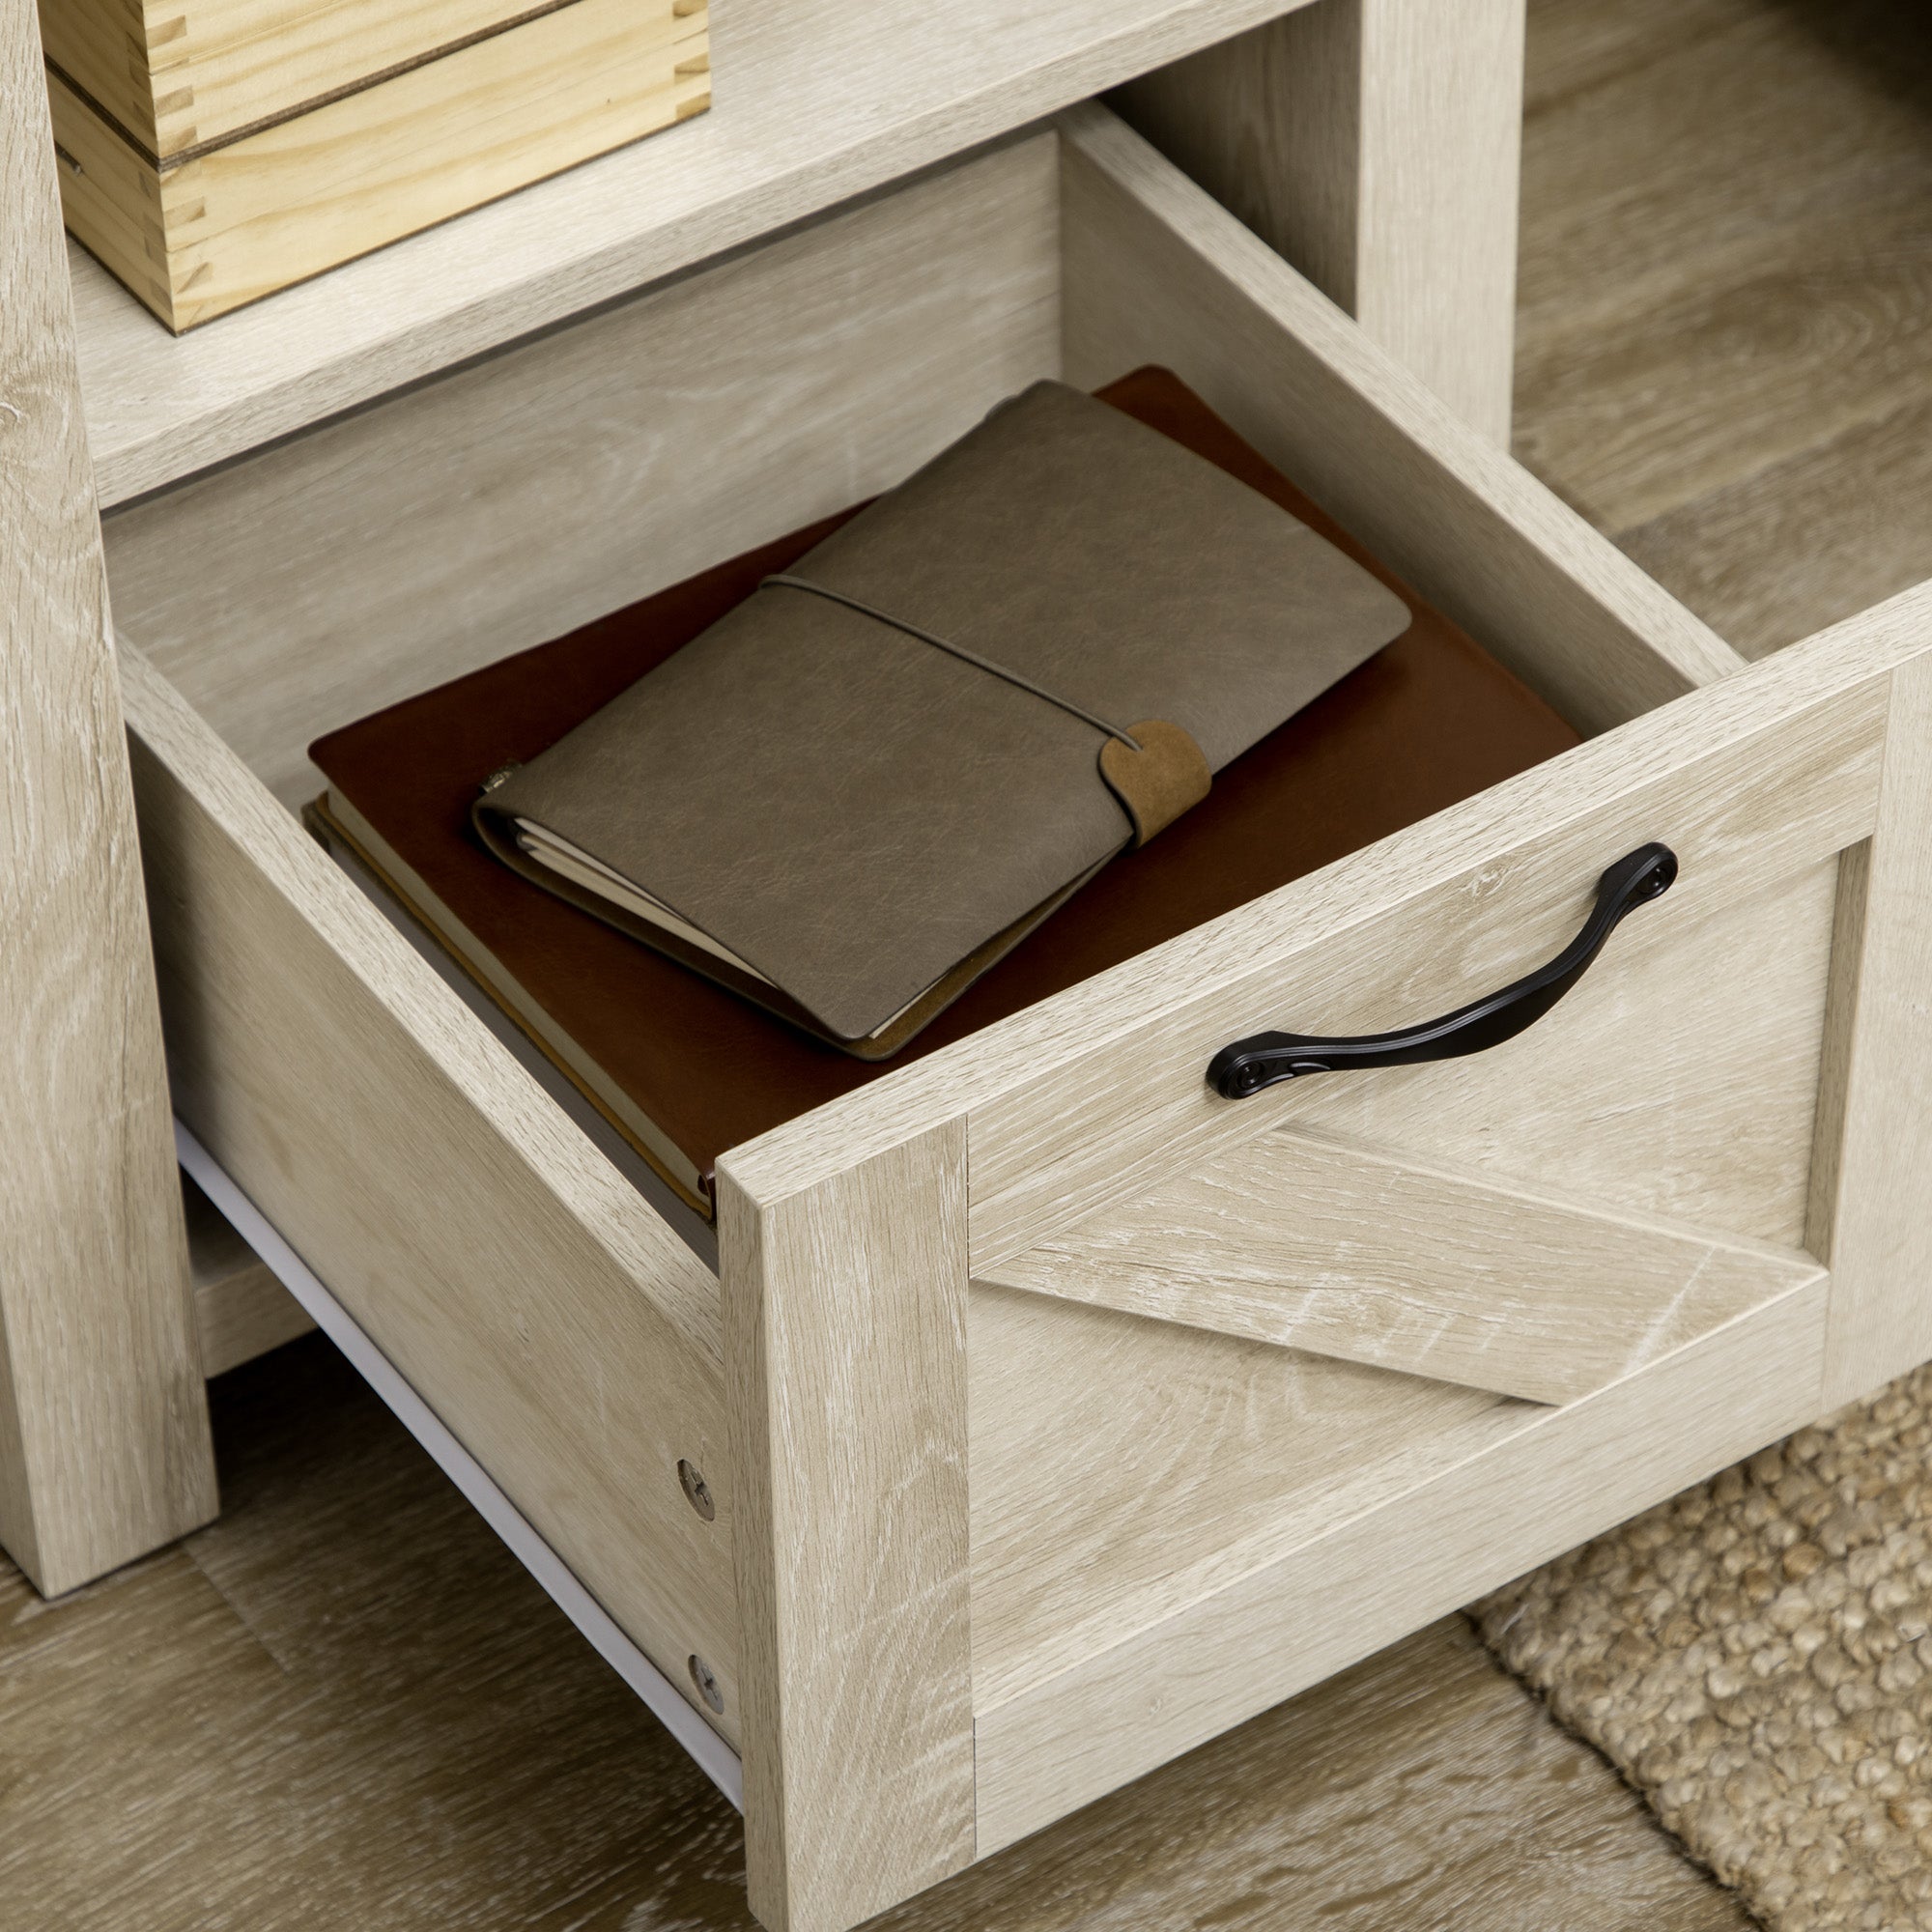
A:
[1725,326]
[343,1705]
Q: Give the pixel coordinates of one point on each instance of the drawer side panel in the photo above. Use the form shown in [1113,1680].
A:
[557,1328]
[1158,272]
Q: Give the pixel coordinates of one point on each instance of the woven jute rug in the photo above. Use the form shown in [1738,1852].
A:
[1756,1658]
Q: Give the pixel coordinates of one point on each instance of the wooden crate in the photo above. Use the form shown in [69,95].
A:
[223,153]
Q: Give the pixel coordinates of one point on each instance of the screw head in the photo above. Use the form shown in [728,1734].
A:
[696,1490]
[702,1675]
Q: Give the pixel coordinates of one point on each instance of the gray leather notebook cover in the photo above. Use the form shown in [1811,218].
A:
[854,793]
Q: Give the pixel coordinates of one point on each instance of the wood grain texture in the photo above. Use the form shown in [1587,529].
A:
[1576,45]
[1122,1467]
[562,1332]
[1785,549]
[1874,1164]
[829,99]
[845,1343]
[1343,1248]
[241,1310]
[1270,123]
[1125,1469]
[213,230]
[179,73]
[328,1634]
[1700,303]
[1416,1790]
[1762,747]
[1374,143]
[1835,1112]
[1158,272]
[1307,1611]
[1666,1086]
[1095,1094]
[103,1428]
[344,569]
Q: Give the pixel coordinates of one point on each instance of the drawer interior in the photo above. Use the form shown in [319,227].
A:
[564,477]
[504,503]
[535,1299]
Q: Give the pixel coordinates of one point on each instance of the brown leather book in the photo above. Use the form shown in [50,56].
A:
[872,777]
[685,1069]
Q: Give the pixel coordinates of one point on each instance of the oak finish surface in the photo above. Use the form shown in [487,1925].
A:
[845,1363]
[1712,1123]
[1124,1468]
[1262,1636]
[1461,1814]
[103,1428]
[818,100]
[1872,1175]
[1374,143]
[241,1310]
[839,1657]
[526,1293]
[1344,1248]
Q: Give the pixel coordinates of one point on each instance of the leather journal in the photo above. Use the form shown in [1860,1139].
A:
[685,1069]
[869,781]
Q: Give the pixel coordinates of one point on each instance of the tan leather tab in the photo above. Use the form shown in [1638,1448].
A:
[1160,780]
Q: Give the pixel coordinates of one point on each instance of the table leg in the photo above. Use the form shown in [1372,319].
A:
[104,1447]
[1376,145]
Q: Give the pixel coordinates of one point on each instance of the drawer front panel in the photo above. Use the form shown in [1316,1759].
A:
[1124,1466]
[1534,1488]
[1219,1516]
[1749,783]
[1370,1252]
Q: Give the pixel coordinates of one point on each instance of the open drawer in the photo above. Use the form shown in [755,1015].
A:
[1054,1413]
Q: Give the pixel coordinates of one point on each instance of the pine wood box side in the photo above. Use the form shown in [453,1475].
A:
[177,75]
[202,227]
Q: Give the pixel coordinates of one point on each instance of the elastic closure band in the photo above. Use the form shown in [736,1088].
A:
[1012,677]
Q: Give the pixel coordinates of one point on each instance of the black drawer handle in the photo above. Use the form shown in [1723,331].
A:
[1264,1058]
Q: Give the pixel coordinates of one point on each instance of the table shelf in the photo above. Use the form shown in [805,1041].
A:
[816,100]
